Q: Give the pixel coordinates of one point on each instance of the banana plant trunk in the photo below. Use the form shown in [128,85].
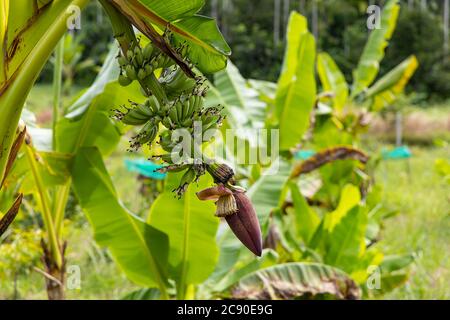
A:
[54,274]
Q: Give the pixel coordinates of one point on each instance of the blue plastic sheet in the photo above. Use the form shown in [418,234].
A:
[402,152]
[304,154]
[145,167]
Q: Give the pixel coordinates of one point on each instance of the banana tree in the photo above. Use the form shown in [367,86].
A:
[29,32]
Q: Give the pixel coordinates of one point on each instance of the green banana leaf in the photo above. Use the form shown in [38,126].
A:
[268,192]
[350,196]
[22,37]
[139,249]
[88,121]
[385,91]
[191,227]
[346,242]
[296,93]
[207,47]
[54,168]
[296,280]
[332,80]
[369,63]
[242,103]
[306,220]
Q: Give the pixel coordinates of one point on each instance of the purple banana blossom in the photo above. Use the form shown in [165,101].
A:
[238,211]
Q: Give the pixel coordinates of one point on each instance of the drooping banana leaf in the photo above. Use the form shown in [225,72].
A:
[385,91]
[296,91]
[191,227]
[268,258]
[296,280]
[207,47]
[332,80]
[369,63]
[139,249]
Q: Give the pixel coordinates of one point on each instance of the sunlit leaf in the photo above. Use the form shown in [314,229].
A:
[346,241]
[386,90]
[191,227]
[138,248]
[332,80]
[296,93]
[369,63]
[207,47]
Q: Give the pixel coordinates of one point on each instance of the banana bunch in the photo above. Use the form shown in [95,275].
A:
[181,107]
[146,135]
[184,111]
[177,83]
[138,63]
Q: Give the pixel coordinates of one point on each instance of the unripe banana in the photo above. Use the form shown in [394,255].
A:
[147,134]
[153,104]
[137,114]
[131,73]
[168,123]
[148,50]
[187,122]
[145,110]
[148,69]
[179,107]
[130,55]
[198,103]
[141,74]
[188,177]
[138,55]
[122,61]
[124,80]
[130,119]
[173,114]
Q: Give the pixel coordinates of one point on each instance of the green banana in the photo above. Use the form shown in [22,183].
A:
[124,80]
[179,107]
[148,50]
[153,104]
[142,74]
[138,55]
[144,110]
[122,61]
[148,133]
[130,119]
[131,72]
[173,114]
[188,177]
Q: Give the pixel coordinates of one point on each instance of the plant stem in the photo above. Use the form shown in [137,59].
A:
[44,201]
[14,96]
[181,285]
[156,89]
[57,83]
[59,205]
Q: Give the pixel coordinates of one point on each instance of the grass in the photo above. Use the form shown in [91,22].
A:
[422,226]
[423,223]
